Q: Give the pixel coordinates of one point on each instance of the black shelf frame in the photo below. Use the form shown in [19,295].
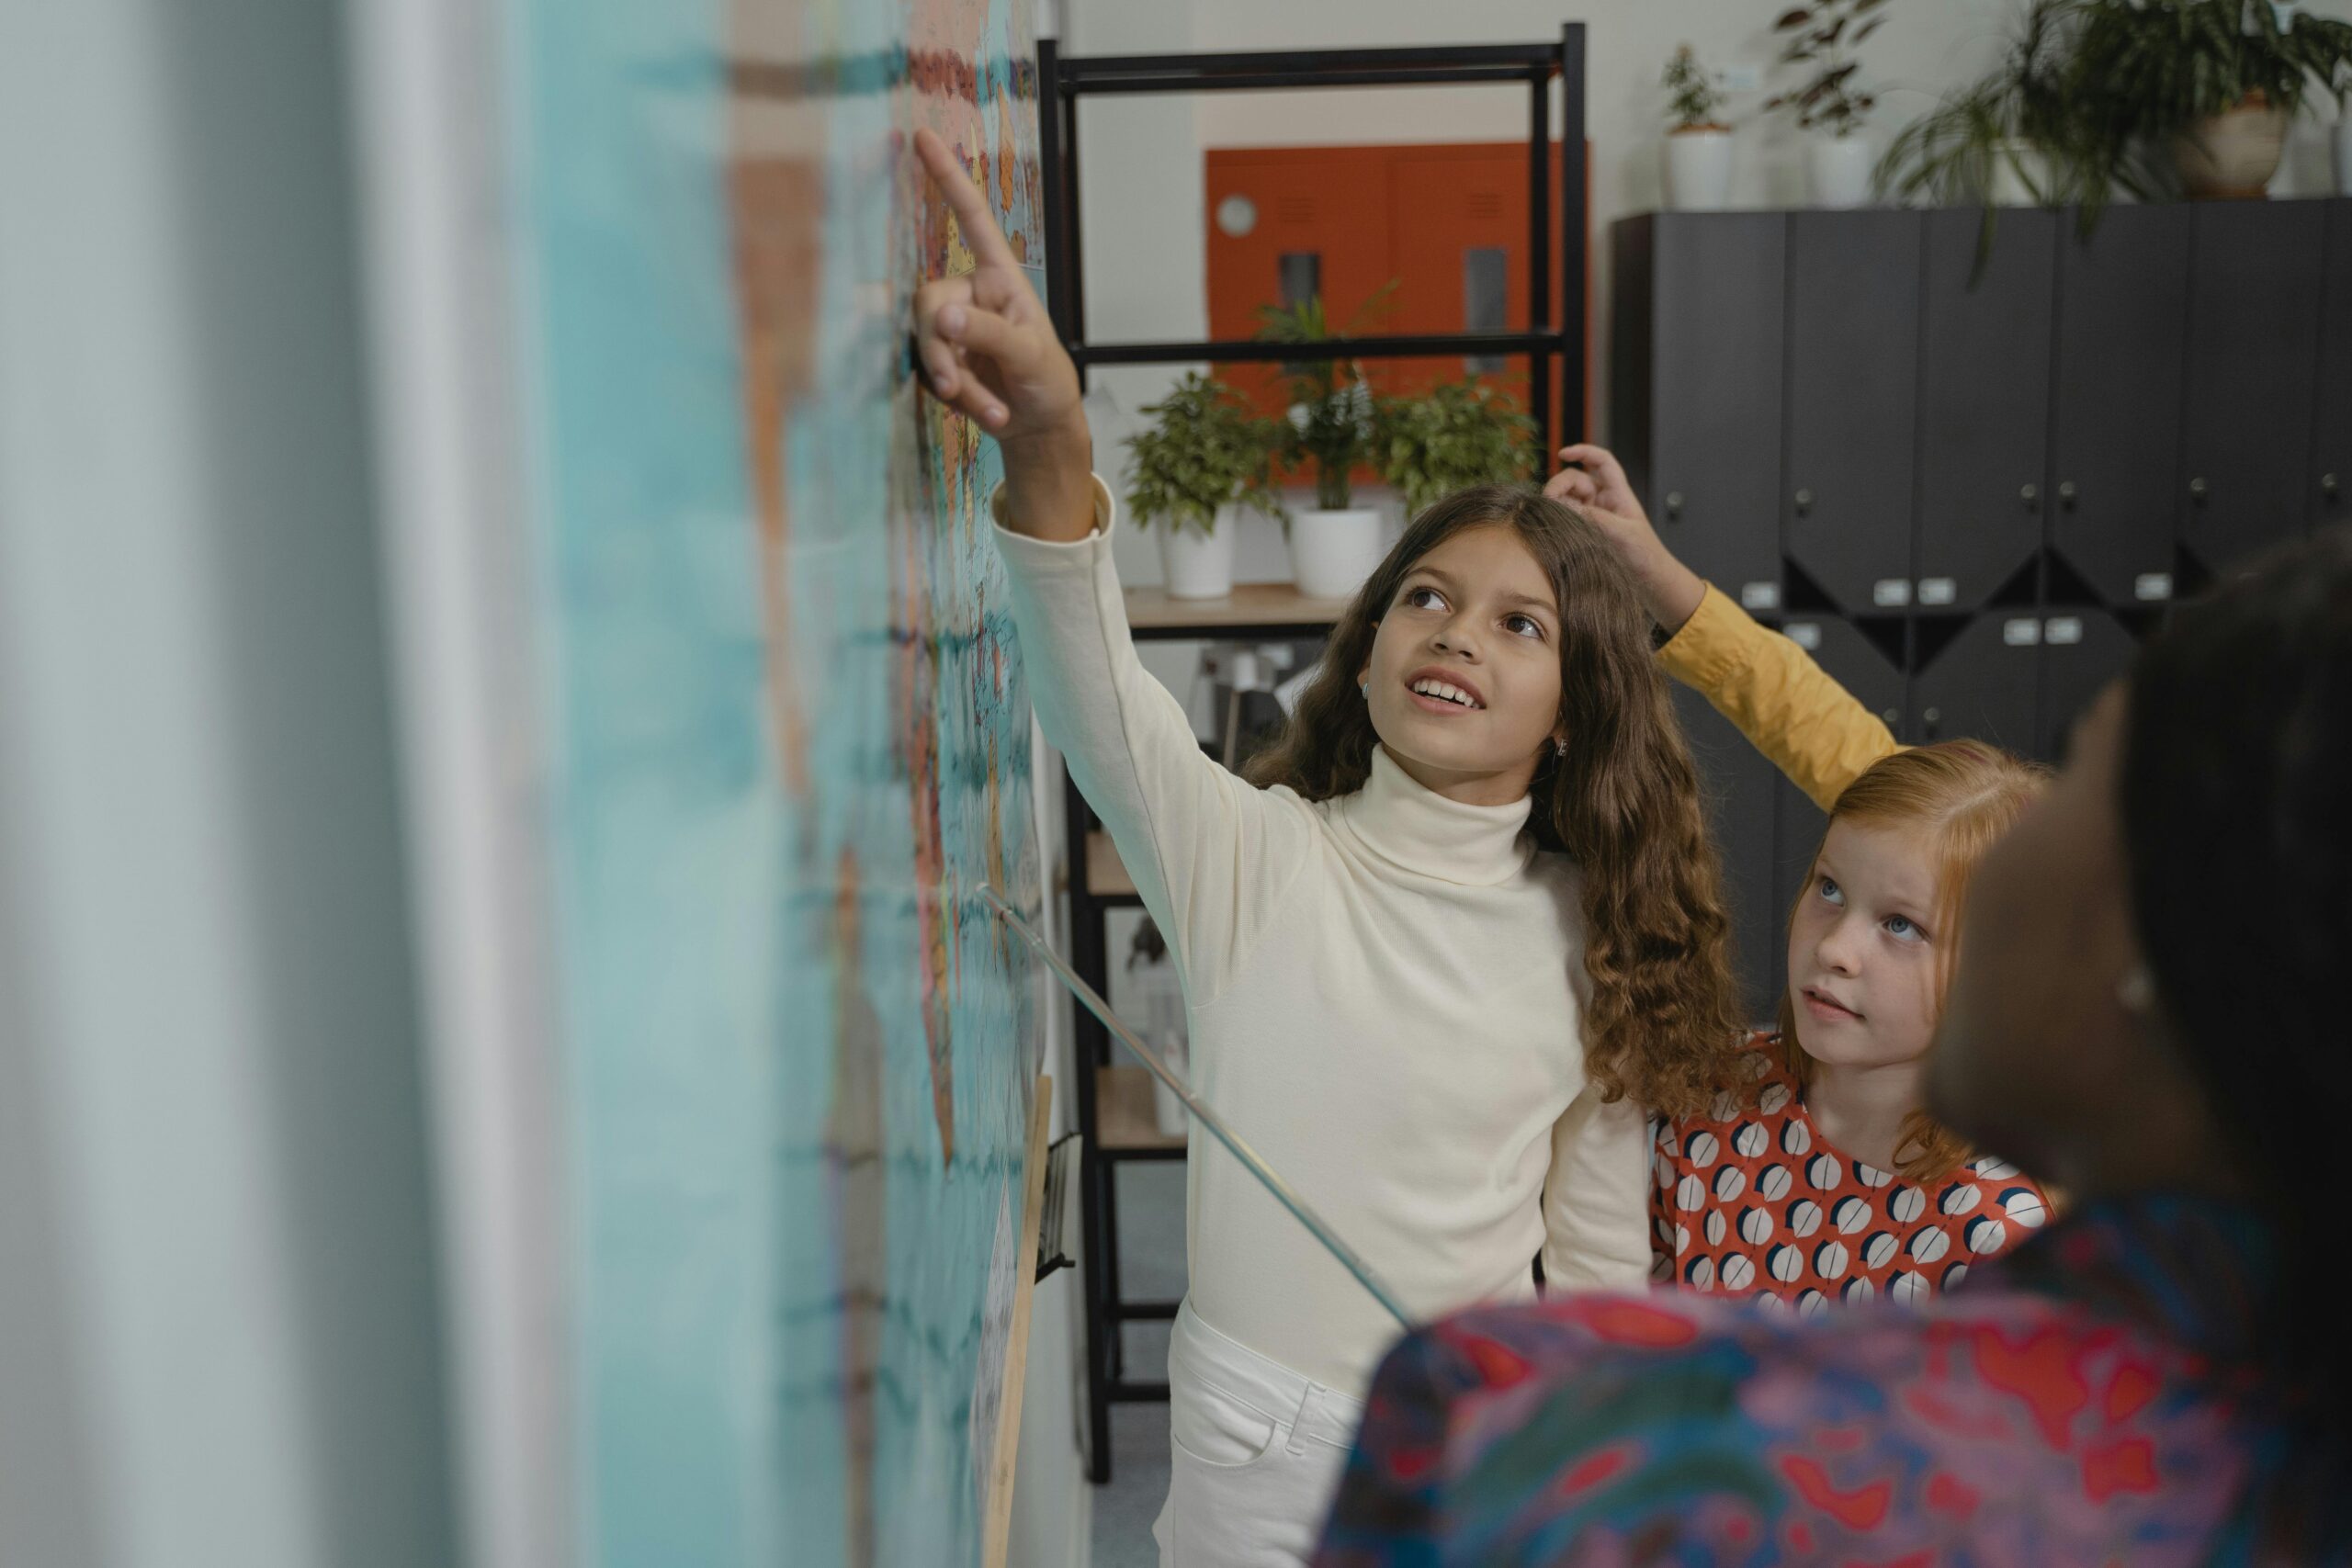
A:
[1550,349]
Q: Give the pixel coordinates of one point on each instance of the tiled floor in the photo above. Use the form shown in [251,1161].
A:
[1151,1266]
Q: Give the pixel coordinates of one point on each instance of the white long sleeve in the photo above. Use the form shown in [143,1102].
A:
[1381,993]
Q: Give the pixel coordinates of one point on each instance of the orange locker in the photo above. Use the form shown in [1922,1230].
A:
[1447,222]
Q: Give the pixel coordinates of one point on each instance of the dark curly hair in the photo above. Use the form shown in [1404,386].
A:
[1662,1022]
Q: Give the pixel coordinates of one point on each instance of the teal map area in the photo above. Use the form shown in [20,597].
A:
[790,740]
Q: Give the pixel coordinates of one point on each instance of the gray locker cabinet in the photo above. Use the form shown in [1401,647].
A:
[1738,783]
[1854,662]
[2115,413]
[1697,389]
[2331,466]
[2253,373]
[1985,686]
[1985,356]
[2082,652]
[1853,387]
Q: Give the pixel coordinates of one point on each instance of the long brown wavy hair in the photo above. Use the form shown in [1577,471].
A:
[1662,1023]
[1963,795]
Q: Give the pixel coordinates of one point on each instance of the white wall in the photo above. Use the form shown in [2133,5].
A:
[215,1217]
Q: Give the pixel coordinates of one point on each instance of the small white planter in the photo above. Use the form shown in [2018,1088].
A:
[1331,553]
[1198,565]
[2231,157]
[2020,175]
[1698,169]
[1837,169]
[2344,155]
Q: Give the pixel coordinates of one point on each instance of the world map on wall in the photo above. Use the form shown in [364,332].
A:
[790,743]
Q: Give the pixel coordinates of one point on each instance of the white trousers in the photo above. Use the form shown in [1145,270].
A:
[1255,1454]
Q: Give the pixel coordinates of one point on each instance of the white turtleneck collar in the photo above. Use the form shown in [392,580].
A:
[1413,827]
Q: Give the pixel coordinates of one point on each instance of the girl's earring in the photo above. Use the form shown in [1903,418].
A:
[2137,991]
[1363,689]
[1559,745]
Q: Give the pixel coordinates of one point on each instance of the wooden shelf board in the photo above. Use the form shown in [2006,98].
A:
[1106,875]
[1249,604]
[1124,1118]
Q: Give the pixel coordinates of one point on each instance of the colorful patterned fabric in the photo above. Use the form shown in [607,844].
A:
[1748,1199]
[2092,1398]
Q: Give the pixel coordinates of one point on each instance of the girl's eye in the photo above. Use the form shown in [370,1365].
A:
[1832,892]
[1424,598]
[1525,625]
[1903,929]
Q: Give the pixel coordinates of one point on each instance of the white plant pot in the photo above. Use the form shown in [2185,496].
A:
[1698,169]
[1198,565]
[1331,553]
[1837,170]
[2020,175]
[2344,155]
[2231,157]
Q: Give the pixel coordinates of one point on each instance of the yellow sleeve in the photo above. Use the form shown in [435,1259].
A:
[1809,726]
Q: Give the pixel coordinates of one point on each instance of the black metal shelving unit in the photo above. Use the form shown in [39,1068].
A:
[1095,883]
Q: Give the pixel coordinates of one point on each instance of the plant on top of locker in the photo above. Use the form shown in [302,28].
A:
[1695,92]
[2196,95]
[2015,137]
[1825,35]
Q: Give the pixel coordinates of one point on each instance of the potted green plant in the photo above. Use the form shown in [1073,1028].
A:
[2014,138]
[1831,105]
[2196,96]
[1206,455]
[1335,545]
[1697,147]
[1458,435]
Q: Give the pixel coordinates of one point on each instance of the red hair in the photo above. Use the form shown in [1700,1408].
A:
[1963,796]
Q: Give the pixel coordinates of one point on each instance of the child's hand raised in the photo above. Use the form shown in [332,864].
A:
[988,349]
[986,345]
[1595,485]
[1593,477]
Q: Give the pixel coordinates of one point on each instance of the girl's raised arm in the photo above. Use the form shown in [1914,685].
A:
[1211,856]
[1811,728]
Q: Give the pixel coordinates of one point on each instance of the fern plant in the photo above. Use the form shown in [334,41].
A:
[1206,449]
[1951,155]
[2143,71]
[1460,433]
[1332,425]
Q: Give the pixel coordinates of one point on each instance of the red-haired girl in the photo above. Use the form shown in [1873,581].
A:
[1816,1175]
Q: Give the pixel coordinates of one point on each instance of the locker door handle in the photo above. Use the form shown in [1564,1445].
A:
[2031,495]
[2329,485]
[1674,506]
[2067,493]
[1932,718]
[2199,489]
[1893,716]
[1805,501]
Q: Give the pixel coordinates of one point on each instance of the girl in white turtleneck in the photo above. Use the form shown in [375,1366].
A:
[1440,949]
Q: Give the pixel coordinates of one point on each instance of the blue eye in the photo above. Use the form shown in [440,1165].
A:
[1903,929]
[1832,892]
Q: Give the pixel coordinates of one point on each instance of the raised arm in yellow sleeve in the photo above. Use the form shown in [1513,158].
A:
[1788,708]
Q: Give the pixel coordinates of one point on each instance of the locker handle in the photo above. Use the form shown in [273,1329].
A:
[1805,501]
[2067,492]
[2329,485]
[1933,717]
[1673,506]
[2197,489]
[2030,494]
